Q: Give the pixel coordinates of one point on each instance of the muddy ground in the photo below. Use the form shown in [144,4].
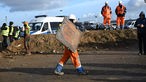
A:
[102,66]
[108,56]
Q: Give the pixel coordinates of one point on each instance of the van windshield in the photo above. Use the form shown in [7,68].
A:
[35,26]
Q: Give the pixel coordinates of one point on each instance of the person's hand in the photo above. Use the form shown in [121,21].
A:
[141,25]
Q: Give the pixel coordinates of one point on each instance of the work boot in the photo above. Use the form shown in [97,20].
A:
[122,27]
[58,70]
[81,71]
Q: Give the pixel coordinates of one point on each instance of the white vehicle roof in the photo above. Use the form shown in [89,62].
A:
[47,19]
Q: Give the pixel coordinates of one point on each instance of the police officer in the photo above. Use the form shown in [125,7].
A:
[16,33]
[5,34]
[141,33]
[11,29]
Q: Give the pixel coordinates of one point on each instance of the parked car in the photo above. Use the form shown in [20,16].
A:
[80,26]
[100,26]
[90,25]
[130,25]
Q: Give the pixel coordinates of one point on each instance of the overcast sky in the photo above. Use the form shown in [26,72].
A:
[25,10]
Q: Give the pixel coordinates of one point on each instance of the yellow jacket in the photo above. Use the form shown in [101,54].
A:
[5,32]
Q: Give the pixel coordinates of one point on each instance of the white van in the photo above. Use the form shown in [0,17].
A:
[130,25]
[43,24]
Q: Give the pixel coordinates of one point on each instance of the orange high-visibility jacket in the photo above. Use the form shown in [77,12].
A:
[120,11]
[106,11]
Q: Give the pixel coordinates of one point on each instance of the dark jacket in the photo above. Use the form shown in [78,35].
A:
[141,21]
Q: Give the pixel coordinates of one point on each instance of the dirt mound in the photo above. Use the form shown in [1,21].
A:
[90,41]
[106,39]
[38,43]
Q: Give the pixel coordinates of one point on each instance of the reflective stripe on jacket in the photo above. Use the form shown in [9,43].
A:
[17,34]
[5,32]
[11,29]
[27,30]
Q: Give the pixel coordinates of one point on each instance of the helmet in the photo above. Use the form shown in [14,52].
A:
[106,2]
[72,17]
[120,2]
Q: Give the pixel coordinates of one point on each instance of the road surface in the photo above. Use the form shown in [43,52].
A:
[102,66]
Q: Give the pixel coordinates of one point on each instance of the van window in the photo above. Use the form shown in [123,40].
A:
[55,25]
[45,27]
[35,26]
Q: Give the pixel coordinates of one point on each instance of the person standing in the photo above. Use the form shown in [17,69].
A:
[16,33]
[106,13]
[27,37]
[120,12]
[5,34]
[11,30]
[141,33]
[69,54]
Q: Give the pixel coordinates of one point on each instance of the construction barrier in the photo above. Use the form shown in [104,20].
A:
[69,35]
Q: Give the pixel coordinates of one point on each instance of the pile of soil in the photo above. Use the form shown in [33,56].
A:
[109,40]
[90,41]
[38,43]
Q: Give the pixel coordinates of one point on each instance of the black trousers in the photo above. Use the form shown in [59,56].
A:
[5,41]
[142,43]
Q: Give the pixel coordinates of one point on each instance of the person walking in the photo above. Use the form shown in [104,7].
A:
[27,37]
[11,30]
[141,33]
[69,54]
[5,34]
[106,13]
[120,12]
